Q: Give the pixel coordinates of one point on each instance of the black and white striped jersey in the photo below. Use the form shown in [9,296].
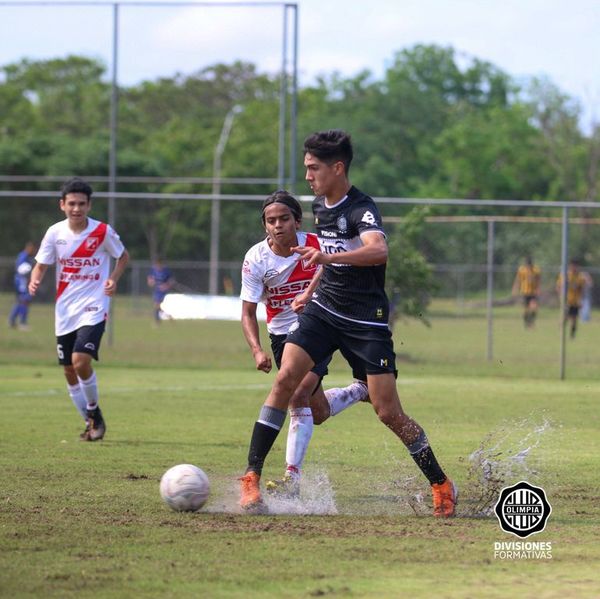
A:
[352,292]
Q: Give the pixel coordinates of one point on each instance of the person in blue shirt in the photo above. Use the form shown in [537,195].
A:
[161,280]
[23,266]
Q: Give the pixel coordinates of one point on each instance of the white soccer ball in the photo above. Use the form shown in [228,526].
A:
[184,488]
[24,268]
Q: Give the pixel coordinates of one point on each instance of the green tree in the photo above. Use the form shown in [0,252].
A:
[409,278]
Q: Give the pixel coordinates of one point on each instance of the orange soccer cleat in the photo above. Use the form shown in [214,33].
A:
[250,497]
[445,497]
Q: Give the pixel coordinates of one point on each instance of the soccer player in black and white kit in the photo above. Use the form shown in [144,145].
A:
[273,275]
[348,311]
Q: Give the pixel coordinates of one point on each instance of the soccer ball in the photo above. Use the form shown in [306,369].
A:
[184,488]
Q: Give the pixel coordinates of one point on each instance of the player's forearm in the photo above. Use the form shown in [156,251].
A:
[251,332]
[314,283]
[36,278]
[367,255]
[120,266]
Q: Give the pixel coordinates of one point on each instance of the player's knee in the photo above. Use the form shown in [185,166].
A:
[82,364]
[284,386]
[69,370]
[70,374]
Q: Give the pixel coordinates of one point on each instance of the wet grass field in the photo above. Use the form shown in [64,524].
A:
[83,520]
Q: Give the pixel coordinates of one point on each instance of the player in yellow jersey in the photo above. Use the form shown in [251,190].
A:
[527,284]
[576,283]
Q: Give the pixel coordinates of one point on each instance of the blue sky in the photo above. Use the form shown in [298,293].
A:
[558,39]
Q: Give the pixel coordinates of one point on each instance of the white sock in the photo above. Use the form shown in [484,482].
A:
[299,434]
[341,398]
[78,398]
[90,390]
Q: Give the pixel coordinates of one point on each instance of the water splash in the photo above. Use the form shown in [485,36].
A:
[504,457]
[317,497]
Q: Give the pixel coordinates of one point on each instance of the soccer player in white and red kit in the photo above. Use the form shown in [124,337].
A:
[274,275]
[81,249]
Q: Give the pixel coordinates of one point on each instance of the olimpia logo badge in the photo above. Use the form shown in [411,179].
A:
[522,509]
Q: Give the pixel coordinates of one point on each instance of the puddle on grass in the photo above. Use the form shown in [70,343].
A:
[317,497]
[505,456]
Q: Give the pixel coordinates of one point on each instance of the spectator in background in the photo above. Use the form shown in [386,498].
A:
[576,283]
[228,285]
[23,266]
[527,284]
[161,280]
[586,300]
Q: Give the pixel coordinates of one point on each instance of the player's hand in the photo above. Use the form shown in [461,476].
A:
[310,255]
[110,287]
[300,301]
[263,361]
[33,286]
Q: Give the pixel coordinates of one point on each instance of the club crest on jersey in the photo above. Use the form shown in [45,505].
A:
[342,224]
[307,266]
[91,243]
[368,218]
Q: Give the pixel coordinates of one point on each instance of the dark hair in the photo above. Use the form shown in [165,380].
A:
[76,185]
[281,196]
[330,146]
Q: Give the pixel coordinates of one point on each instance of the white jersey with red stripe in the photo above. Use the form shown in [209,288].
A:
[276,281]
[82,266]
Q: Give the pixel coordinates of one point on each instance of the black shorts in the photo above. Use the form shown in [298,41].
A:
[277,343]
[368,349]
[85,340]
[527,299]
[573,311]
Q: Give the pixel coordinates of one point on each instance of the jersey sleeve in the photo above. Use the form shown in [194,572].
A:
[47,252]
[113,244]
[252,282]
[365,218]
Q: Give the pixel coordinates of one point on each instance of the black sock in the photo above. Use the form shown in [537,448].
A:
[426,461]
[263,437]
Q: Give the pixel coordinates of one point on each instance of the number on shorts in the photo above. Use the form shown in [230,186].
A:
[59,351]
